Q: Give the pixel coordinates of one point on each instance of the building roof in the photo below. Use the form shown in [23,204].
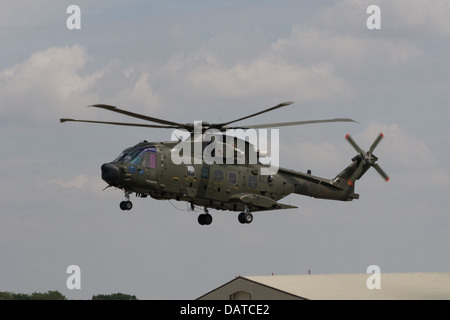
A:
[393,286]
[354,286]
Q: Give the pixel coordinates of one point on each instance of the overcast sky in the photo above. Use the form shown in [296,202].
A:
[215,61]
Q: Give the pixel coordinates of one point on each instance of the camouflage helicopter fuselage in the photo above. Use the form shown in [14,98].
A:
[147,169]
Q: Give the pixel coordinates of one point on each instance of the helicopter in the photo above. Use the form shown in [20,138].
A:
[148,168]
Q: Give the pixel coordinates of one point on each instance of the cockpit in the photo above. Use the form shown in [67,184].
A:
[145,156]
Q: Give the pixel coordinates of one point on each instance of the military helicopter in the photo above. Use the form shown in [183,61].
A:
[148,169]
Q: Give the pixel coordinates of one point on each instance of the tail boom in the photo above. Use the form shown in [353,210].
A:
[342,187]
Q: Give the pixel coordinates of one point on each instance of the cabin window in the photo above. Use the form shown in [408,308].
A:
[190,172]
[253,182]
[218,176]
[205,173]
[232,178]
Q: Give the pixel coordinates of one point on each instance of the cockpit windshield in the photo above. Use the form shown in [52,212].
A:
[120,157]
[136,156]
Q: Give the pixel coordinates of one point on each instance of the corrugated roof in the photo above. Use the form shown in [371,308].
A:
[354,286]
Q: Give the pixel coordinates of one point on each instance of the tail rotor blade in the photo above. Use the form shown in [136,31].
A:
[375,143]
[380,171]
[353,143]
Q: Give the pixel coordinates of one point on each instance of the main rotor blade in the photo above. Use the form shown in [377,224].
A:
[120,123]
[380,171]
[223,124]
[375,143]
[137,115]
[294,123]
[353,143]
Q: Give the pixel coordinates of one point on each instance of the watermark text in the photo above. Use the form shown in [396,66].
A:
[234,146]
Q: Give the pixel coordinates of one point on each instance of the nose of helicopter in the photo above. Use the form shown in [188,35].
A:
[110,173]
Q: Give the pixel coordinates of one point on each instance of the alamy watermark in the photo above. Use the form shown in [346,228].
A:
[74,280]
[374,20]
[73,22]
[374,280]
[234,146]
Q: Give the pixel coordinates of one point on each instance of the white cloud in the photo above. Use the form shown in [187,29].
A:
[80,182]
[140,93]
[270,77]
[323,158]
[399,147]
[46,82]
[54,81]
[266,74]
[77,182]
[310,63]
[344,51]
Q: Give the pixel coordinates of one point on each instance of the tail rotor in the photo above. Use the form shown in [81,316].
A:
[368,157]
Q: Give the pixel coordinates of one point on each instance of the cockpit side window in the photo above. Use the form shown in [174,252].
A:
[149,159]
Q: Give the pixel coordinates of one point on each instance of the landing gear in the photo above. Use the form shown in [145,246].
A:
[127,204]
[205,218]
[245,217]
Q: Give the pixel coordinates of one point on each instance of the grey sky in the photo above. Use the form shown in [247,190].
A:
[215,61]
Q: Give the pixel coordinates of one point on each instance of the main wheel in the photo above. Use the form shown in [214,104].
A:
[245,217]
[126,205]
[248,217]
[205,219]
[208,219]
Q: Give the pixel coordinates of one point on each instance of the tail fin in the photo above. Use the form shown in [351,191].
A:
[347,177]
